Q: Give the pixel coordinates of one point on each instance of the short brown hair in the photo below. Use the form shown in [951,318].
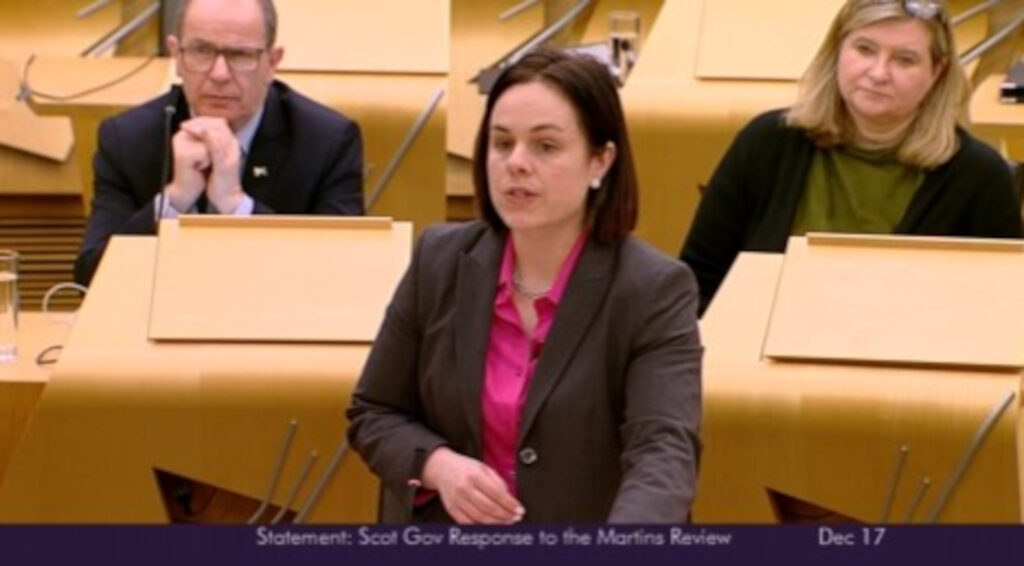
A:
[593,94]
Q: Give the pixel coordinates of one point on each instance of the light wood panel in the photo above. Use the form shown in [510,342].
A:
[24,174]
[386,36]
[119,406]
[889,299]
[829,434]
[22,383]
[386,106]
[22,129]
[49,27]
[142,79]
[289,278]
[783,49]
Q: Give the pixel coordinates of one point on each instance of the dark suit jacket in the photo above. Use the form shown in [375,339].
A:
[313,158]
[610,427]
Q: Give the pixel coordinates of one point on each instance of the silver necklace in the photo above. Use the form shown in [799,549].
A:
[532,294]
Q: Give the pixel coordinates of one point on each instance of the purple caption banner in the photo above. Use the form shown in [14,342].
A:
[522,546]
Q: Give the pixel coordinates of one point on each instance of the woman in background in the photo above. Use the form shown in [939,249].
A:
[541,364]
[871,145]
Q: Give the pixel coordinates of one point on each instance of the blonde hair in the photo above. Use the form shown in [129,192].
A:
[931,138]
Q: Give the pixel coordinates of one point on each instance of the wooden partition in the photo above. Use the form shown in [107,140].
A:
[383,65]
[289,278]
[125,421]
[22,383]
[387,106]
[827,400]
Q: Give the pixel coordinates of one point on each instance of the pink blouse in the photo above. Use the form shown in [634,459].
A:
[511,359]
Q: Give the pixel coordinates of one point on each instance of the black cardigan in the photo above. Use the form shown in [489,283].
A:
[753,196]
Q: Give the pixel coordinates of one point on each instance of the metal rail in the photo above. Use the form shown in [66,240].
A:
[112,39]
[973,11]
[991,41]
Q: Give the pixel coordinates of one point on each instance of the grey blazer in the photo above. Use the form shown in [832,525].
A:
[609,431]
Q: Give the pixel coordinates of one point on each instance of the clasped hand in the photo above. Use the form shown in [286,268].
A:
[206,158]
[471,491]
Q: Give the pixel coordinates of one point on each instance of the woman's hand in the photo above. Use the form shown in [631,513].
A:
[471,492]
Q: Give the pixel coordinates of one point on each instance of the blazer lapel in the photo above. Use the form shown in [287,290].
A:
[267,152]
[475,289]
[580,303]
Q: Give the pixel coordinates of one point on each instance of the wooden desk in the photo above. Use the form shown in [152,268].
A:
[22,382]
[120,407]
[829,434]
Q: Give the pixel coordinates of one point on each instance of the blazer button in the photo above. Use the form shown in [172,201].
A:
[528,456]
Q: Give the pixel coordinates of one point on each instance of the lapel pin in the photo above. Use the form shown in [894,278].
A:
[259,171]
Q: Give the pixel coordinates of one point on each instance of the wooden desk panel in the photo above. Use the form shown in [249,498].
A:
[894,299]
[22,383]
[784,49]
[119,407]
[828,434]
[21,129]
[306,278]
[389,36]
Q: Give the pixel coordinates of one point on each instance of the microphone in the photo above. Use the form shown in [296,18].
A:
[165,169]
[25,91]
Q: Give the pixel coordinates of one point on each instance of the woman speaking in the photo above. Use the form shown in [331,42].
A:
[540,364]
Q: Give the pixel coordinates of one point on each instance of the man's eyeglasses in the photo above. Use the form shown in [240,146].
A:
[201,57]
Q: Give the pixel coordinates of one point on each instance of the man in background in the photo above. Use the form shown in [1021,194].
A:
[230,140]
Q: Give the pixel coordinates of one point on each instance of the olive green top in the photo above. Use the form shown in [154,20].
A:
[855,190]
